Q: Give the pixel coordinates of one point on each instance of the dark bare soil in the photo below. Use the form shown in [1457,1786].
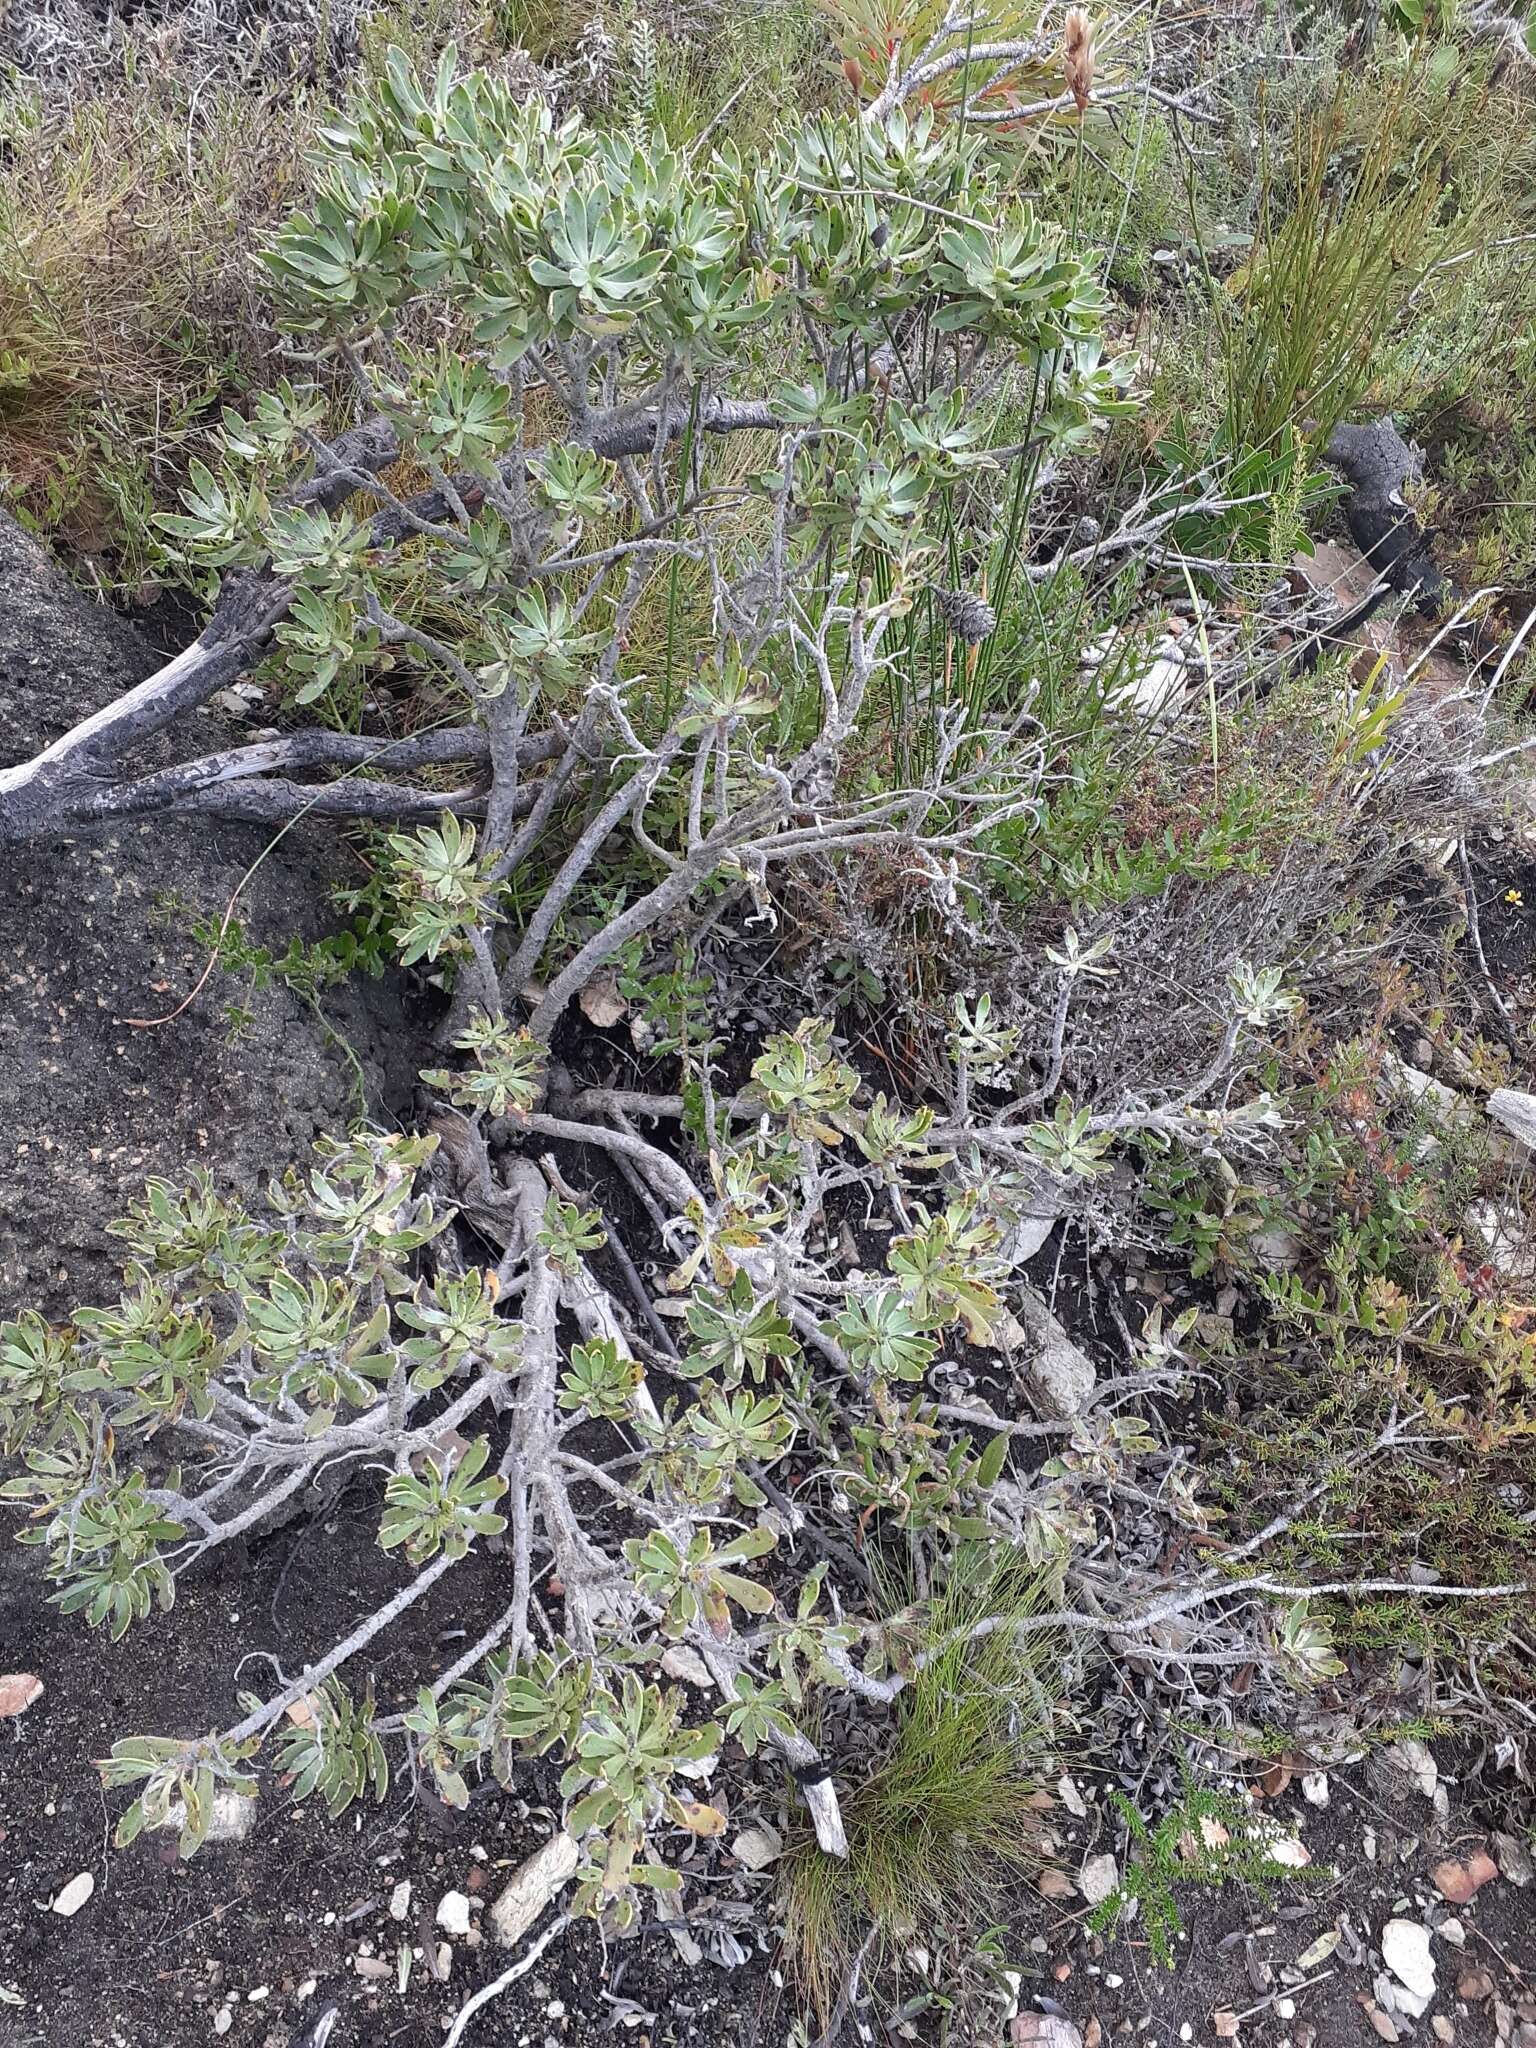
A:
[286,1914]
[272,1928]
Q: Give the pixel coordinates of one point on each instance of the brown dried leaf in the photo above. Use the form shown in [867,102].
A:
[1274,1779]
[18,1689]
[601,1003]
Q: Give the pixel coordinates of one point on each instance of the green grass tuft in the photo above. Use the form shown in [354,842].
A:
[948,1821]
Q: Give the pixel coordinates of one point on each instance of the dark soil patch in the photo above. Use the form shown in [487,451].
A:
[1505,877]
[161,1945]
[1237,1950]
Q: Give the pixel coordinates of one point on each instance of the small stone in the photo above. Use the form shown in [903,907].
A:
[684,1662]
[1043,2030]
[453,1913]
[1405,1949]
[444,1961]
[18,1691]
[757,1848]
[1460,1882]
[1314,1788]
[1474,1986]
[1507,1235]
[373,1969]
[1414,1760]
[400,1899]
[1288,1853]
[1453,1932]
[1060,1372]
[223,2020]
[1098,1879]
[1384,2025]
[74,1895]
[1516,1111]
[1444,2030]
[1285,2008]
[555,2010]
[1514,1860]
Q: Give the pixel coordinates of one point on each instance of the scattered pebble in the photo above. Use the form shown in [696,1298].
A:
[531,1888]
[1043,2030]
[453,1913]
[74,1895]
[684,1662]
[1098,1878]
[756,1848]
[1413,1759]
[18,1690]
[1071,1798]
[1460,1882]
[1405,1949]
[223,2020]
[400,1899]
[1289,1853]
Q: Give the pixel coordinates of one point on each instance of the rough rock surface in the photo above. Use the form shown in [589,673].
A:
[1382,469]
[93,932]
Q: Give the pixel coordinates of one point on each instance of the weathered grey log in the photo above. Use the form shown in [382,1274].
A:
[81,781]
[78,779]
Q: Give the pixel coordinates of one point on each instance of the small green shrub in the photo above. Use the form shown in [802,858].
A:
[1208,1838]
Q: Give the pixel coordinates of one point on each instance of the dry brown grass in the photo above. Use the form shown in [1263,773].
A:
[128,302]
